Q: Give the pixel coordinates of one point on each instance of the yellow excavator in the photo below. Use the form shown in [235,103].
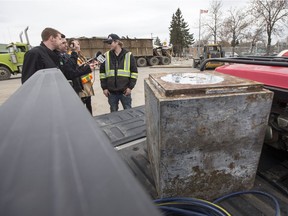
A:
[207,52]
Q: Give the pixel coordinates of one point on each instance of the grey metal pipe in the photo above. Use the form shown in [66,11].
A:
[26,35]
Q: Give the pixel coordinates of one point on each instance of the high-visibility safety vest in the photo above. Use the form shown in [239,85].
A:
[81,59]
[125,72]
[86,78]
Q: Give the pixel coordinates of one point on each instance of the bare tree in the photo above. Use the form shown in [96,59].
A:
[214,21]
[253,36]
[234,27]
[271,13]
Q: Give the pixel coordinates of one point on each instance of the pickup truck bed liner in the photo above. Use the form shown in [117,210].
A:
[272,175]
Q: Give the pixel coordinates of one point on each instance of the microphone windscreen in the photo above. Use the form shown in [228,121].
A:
[101,58]
[97,54]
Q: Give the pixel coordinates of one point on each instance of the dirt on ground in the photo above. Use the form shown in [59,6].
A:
[99,101]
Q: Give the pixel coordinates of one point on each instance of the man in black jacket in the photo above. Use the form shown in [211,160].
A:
[69,66]
[118,74]
[43,56]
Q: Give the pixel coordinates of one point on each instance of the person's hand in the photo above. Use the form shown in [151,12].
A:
[106,92]
[127,92]
[92,66]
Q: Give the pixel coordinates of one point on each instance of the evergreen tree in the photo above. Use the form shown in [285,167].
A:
[179,33]
[157,42]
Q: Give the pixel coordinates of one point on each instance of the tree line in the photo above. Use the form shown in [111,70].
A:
[256,23]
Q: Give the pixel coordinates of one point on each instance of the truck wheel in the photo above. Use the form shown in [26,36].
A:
[194,63]
[165,60]
[141,62]
[153,61]
[5,73]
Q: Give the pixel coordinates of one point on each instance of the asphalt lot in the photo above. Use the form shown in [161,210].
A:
[99,101]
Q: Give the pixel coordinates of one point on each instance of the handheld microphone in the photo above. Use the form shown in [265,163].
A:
[99,57]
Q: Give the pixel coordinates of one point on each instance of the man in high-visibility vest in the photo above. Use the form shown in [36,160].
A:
[118,74]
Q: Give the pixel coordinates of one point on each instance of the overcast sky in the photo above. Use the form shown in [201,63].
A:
[133,18]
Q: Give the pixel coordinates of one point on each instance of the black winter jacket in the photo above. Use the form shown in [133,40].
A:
[38,58]
[71,70]
[118,83]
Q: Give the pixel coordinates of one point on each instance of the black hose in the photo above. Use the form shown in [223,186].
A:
[172,210]
[194,206]
[277,206]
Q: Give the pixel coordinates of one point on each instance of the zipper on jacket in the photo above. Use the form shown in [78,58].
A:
[116,71]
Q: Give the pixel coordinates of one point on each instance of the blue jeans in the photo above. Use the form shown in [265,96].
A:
[114,98]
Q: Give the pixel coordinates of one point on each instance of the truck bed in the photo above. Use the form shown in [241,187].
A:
[126,130]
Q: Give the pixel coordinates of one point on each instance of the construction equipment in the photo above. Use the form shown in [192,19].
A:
[12,61]
[142,49]
[207,52]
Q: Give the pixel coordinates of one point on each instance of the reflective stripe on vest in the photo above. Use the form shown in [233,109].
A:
[134,75]
[120,72]
[102,75]
[86,78]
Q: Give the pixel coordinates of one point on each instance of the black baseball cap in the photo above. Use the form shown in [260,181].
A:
[111,37]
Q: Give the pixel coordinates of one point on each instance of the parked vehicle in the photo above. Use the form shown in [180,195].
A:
[142,49]
[283,53]
[207,52]
[11,61]
[3,48]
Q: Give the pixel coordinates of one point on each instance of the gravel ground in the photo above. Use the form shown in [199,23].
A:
[99,101]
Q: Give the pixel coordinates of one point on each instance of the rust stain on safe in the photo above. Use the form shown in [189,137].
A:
[192,186]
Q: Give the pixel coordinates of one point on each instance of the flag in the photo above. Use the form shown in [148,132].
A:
[203,11]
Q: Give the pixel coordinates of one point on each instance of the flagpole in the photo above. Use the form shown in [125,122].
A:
[199,33]
[201,11]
